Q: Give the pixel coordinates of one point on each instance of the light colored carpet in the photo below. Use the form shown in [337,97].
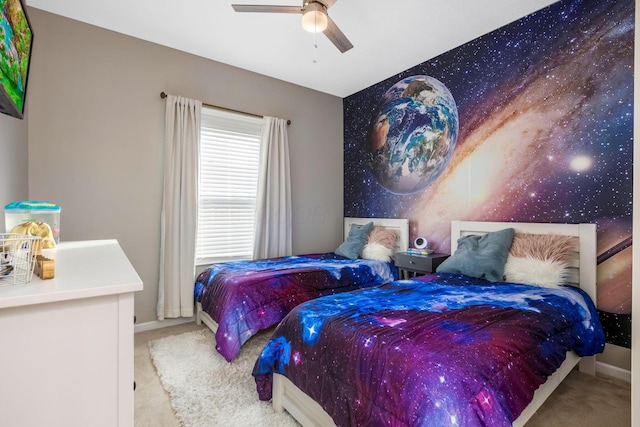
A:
[580,401]
[205,389]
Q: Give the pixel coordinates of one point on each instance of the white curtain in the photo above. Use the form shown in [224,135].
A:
[273,201]
[179,218]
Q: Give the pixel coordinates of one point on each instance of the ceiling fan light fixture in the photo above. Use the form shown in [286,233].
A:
[314,18]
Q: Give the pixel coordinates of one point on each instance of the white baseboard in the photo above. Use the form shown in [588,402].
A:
[613,371]
[157,324]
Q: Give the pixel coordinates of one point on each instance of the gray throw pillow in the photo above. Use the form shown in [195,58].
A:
[352,247]
[480,256]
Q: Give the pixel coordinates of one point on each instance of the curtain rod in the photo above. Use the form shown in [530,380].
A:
[163,95]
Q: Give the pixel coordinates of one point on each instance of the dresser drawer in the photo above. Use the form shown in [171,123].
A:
[419,263]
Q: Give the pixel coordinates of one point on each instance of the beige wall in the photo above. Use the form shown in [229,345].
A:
[96,125]
[13,162]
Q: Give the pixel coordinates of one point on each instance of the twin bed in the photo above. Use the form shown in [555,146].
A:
[237,299]
[440,349]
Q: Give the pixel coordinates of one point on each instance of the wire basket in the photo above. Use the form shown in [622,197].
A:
[17,258]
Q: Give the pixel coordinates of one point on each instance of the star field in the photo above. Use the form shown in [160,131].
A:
[243,297]
[435,350]
[545,110]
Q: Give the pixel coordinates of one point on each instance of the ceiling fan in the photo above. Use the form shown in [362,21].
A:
[314,19]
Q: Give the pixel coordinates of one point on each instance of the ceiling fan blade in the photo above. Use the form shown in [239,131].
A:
[266,8]
[337,37]
[328,3]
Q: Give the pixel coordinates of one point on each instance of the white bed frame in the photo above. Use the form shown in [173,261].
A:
[402,244]
[286,396]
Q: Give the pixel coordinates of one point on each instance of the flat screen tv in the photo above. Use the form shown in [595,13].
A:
[16,40]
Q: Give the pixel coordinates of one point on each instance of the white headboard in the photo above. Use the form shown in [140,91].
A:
[583,264]
[400,225]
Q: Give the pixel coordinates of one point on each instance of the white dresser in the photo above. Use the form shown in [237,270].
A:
[66,344]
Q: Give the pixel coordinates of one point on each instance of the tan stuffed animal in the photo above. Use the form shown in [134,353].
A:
[37,228]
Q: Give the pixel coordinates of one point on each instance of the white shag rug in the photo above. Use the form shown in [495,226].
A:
[205,389]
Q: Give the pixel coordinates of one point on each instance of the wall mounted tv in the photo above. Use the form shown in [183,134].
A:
[16,40]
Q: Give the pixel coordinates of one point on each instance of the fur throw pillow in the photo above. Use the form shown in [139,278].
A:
[380,244]
[377,252]
[542,246]
[539,259]
[383,236]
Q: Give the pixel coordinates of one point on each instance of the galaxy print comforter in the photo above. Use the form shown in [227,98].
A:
[437,350]
[243,297]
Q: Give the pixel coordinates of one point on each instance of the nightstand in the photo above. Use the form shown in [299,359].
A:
[411,265]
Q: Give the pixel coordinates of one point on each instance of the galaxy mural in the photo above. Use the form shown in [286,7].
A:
[532,122]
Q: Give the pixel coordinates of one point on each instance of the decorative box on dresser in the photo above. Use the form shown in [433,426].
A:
[410,265]
[66,344]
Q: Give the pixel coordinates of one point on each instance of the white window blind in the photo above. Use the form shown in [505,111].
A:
[229,155]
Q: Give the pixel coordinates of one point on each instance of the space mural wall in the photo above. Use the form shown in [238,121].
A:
[532,122]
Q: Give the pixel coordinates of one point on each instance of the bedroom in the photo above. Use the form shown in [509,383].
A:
[102,151]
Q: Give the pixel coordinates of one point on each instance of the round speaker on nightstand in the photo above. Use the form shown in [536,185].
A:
[420,243]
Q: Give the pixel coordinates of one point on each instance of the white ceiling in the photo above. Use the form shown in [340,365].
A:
[388,37]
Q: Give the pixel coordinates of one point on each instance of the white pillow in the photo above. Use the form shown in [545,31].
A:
[548,272]
[377,252]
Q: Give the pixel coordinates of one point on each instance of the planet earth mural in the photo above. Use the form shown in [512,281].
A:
[412,134]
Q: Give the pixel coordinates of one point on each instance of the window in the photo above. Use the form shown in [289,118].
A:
[229,155]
